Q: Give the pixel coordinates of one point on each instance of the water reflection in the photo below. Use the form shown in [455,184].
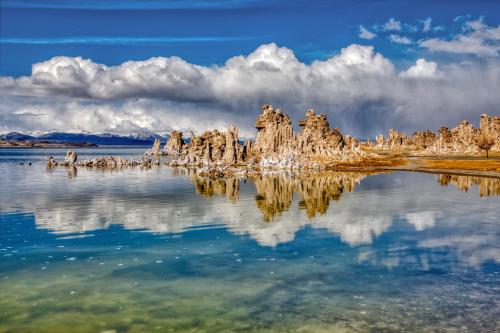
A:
[208,187]
[270,208]
[487,186]
[311,252]
[274,191]
[72,172]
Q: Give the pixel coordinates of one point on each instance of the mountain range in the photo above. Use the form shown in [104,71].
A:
[136,139]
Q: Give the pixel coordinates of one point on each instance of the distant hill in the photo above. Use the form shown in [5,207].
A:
[136,139]
[17,136]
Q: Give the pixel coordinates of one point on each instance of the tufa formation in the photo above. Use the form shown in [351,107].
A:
[318,145]
[463,139]
[276,144]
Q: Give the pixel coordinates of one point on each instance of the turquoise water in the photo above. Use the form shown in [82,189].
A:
[164,250]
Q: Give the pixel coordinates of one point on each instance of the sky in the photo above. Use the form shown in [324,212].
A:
[132,66]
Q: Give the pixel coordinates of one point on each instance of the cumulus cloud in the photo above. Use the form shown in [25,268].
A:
[121,116]
[423,69]
[476,38]
[365,33]
[360,89]
[392,25]
[400,39]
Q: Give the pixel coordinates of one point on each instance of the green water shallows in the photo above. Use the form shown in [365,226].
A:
[164,250]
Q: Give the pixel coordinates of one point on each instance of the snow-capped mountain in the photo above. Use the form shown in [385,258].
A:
[138,139]
[17,136]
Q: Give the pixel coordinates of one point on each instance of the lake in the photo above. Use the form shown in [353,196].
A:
[165,250]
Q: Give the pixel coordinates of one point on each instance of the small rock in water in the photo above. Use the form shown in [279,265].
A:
[70,158]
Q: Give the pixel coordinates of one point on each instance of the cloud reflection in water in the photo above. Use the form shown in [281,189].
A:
[271,209]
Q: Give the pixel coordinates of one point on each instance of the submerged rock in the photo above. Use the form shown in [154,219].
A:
[51,162]
[104,162]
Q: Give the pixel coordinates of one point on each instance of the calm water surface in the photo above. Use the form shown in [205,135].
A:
[164,250]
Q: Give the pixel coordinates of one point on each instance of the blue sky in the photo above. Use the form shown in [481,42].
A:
[207,32]
[128,66]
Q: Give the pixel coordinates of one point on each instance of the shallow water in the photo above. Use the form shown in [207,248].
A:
[164,250]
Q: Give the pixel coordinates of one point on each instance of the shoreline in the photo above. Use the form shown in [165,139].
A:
[475,166]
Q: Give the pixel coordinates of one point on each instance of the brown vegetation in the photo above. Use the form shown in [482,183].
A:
[463,164]
[368,163]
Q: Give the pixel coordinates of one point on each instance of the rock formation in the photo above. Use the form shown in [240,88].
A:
[247,152]
[396,140]
[275,133]
[156,147]
[51,162]
[463,139]
[174,144]
[379,140]
[69,160]
[276,144]
[316,146]
[317,139]
[490,128]
[423,139]
[71,157]
[105,162]
[233,151]
[204,149]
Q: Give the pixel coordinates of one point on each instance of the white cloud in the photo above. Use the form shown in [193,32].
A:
[360,89]
[423,69]
[400,39]
[477,39]
[392,25]
[427,24]
[365,33]
[461,44]
[124,116]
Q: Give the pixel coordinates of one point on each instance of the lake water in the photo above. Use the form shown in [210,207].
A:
[164,250]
